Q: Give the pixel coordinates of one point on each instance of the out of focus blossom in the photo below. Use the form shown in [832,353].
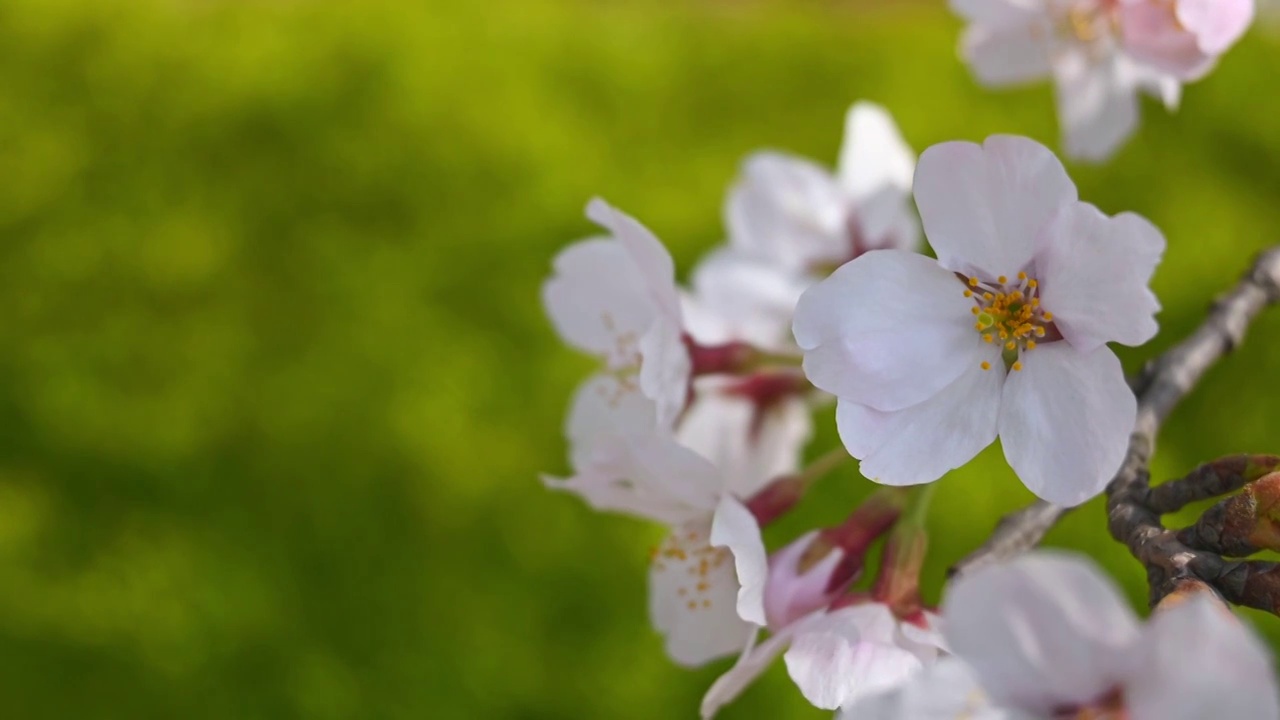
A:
[1004,334]
[615,297]
[1100,55]
[1048,636]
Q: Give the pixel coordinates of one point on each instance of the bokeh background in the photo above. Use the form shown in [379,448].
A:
[275,386]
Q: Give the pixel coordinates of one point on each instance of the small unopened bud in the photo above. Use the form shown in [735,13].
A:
[1242,524]
[727,358]
[813,571]
[898,585]
[801,576]
[777,498]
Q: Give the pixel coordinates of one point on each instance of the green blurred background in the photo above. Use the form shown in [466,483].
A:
[275,386]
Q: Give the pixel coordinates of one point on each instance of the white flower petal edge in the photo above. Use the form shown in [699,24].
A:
[887,355]
[735,528]
[946,690]
[1042,632]
[922,443]
[983,206]
[847,654]
[1219,668]
[753,661]
[874,156]
[1065,421]
[1095,271]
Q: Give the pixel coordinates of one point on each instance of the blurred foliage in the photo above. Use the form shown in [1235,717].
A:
[275,387]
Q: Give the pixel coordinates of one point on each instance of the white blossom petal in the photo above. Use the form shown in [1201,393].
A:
[1009,55]
[849,654]
[889,329]
[947,690]
[788,211]
[1043,631]
[1097,107]
[648,254]
[606,406]
[597,300]
[665,369]
[693,594]
[742,297]
[1199,661]
[1065,421]
[735,528]
[874,156]
[983,205]
[751,446]
[1094,274]
[922,443]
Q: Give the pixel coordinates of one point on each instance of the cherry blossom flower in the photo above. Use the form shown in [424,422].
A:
[706,579]
[615,297]
[792,221]
[839,648]
[1100,54]
[1005,333]
[1048,636]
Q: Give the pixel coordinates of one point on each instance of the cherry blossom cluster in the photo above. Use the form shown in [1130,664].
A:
[700,411]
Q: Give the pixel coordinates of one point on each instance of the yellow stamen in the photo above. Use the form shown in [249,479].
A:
[1017,366]
[1002,279]
[968,293]
[1031,344]
[988,297]
[978,326]
[1010,345]
[1032,284]
[973,282]
[1023,276]
[986,365]
[986,338]
[975,310]
[1048,316]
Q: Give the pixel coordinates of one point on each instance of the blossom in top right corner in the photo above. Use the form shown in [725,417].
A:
[1100,54]
[1005,333]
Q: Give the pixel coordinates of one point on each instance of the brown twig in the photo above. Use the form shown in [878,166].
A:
[1159,387]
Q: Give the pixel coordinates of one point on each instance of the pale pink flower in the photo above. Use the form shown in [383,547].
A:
[1100,54]
[615,297]
[1005,333]
[1049,636]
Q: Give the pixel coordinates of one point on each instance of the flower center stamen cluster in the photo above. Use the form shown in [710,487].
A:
[1010,314]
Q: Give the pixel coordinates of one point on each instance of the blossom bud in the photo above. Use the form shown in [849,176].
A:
[813,571]
[898,585]
[1243,524]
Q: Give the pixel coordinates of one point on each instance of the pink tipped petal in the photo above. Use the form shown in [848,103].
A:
[693,595]
[1097,107]
[922,443]
[983,205]
[889,329]
[1041,632]
[1217,24]
[648,254]
[1009,55]
[849,655]
[595,297]
[1199,661]
[750,665]
[1094,274]
[1153,35]
[1065,421]
[874,156]
[735,528]
[787,211]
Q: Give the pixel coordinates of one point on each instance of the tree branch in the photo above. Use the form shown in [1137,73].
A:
[1158,388]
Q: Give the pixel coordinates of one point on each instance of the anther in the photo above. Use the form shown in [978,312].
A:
[988,296]
[986,338]
[986,365]
[973,282]
[975,310]
[1023,276]
[1002,279]
[968,293]
[1048,316]
[1032,284]
[1010,345]
[1031,344]
[1017,366]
